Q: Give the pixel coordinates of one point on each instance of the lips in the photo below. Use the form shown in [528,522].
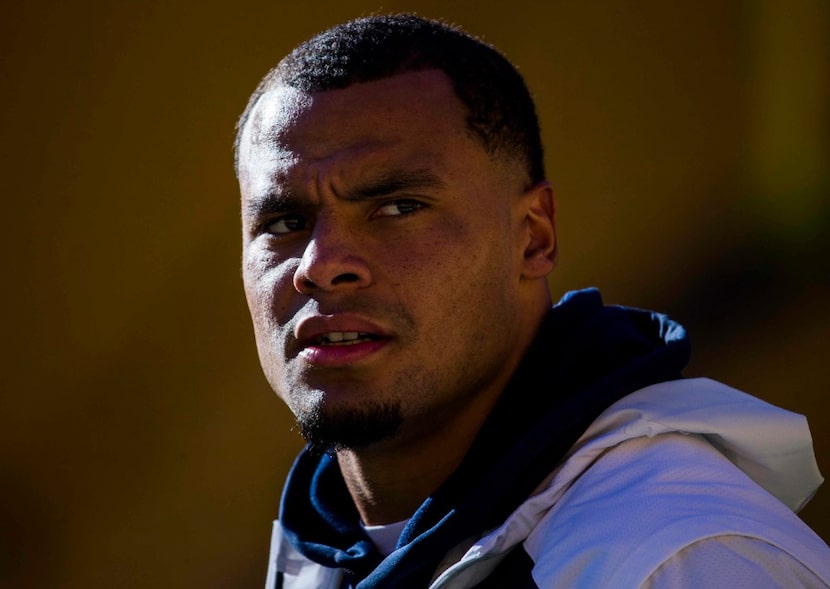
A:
[336,340]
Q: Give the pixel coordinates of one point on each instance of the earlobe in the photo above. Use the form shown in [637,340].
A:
[540,226]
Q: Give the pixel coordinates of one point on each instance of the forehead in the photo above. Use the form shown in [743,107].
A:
[411,111]
[276,111]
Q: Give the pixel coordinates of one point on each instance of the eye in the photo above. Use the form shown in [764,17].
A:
[396,208]
[286,224]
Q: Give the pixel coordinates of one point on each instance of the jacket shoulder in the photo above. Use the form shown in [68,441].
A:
[644,500]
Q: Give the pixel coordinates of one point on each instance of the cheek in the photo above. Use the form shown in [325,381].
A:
[269,290]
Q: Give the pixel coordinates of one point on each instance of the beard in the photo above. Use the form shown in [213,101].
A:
[349,428]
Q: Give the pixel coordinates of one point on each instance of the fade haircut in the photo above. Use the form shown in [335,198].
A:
[500,111]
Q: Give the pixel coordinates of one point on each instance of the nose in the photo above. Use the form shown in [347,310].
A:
[332,260]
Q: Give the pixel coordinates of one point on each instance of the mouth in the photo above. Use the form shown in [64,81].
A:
[339,340]
[341,349]
[343,338]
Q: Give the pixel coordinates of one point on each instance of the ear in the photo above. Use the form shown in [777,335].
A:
[540,231]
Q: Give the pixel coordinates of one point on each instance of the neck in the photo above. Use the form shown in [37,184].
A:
[390,486]
[389,480]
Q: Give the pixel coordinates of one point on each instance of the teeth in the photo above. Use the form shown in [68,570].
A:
[341,337]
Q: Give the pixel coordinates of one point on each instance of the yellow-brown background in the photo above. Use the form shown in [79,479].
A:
[688,143]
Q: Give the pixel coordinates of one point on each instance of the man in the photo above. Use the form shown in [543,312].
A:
[462,431]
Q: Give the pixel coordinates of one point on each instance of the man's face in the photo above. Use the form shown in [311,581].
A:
[382,256]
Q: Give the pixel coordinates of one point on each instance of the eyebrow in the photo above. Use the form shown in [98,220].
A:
[396,181]
[270,203]
[385,184]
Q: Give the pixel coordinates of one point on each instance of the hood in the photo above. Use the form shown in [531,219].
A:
[586,356]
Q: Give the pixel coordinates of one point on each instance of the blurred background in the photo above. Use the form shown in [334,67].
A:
[140,446]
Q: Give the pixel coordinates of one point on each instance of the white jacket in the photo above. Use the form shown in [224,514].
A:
[650,496]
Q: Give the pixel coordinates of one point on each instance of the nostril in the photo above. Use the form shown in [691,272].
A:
[345,278]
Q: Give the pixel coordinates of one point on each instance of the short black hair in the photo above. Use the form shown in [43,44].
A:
[500,110]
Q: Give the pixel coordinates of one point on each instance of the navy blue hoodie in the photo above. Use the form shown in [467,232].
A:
[585,356]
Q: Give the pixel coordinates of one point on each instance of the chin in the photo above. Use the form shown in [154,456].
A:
[350,429]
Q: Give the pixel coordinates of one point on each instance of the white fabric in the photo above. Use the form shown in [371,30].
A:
[385,537]
[650,494]
[736,562]
[298,572]
[645,501]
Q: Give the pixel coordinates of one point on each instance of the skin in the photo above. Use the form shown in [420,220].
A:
[373,210]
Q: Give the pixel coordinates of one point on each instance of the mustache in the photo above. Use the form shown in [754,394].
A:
[396,313]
